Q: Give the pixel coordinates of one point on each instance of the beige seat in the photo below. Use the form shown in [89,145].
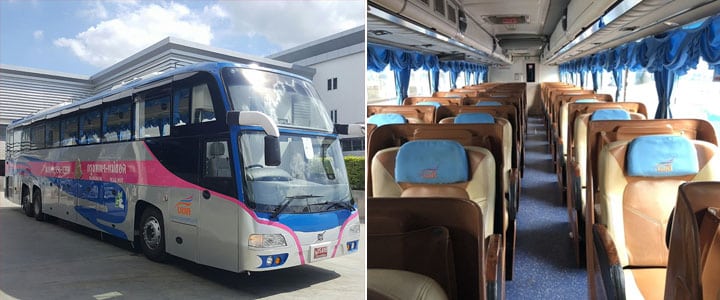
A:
[412,113]
[694,256]
[636,190]
[389,284]
[437,168]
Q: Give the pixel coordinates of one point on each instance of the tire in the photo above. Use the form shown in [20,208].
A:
[27,205]
[37,206]
[152,235]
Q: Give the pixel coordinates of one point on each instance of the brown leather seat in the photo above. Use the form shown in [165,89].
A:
[636,190]
[441,238]
[694,257]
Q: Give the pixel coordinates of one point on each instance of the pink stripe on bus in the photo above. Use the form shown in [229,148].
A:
[350,218]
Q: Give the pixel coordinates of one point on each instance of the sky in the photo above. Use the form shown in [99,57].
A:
[84,37]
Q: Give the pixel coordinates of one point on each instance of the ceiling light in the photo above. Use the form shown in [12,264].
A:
[380,32]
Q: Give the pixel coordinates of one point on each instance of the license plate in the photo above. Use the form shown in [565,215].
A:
[320,252]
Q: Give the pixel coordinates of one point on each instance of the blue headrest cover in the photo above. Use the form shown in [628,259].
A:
[488,103]
[431,103]
[661,156]
[586,101]
[474,118]
[610,114]
[385,119]
[431,162]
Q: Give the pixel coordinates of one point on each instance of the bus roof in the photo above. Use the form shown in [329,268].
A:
[211,67]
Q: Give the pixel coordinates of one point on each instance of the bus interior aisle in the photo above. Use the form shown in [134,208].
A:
[544,260]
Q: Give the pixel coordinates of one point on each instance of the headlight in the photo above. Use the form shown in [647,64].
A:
[266,240]
[355,228]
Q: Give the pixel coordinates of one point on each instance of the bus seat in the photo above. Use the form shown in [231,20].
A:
[389,284]
[488,103]
[636,190]
[694,257]
[409,234]
[437,168]
[431,103]
[387,118]
[218,164]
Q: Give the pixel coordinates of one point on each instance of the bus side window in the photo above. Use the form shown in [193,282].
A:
[217,160]
[69,131]
[117,122]
[53,134]
[37,137]
[154,113]
[181,107]
[90,127]
[202,106]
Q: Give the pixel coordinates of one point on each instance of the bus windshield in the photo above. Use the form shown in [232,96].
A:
[292,102]
[310,178]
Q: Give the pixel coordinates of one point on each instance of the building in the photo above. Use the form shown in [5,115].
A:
[338,60]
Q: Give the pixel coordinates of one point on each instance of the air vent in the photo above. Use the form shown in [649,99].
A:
[629,28]
[380,32]
[507,20]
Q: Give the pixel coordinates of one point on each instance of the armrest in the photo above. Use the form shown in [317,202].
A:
[514,197]
[494,268]
[609,263]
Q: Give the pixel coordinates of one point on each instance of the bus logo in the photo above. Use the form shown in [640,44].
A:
[184,206]
[429,173]
[664,166]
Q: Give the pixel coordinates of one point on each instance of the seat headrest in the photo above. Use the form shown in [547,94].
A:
[586,101]
[488,103]
[217,149]
[432,162]
[386,118]
[610,114]
[474,118]
[431,103]
[661,156]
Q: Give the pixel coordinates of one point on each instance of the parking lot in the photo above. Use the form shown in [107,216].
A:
[58,260]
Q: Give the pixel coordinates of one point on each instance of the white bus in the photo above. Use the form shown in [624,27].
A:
[231,166]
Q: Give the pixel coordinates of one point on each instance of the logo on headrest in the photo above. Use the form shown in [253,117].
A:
[664,166]
[429,173]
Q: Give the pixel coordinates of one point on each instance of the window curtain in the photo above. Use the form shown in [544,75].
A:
[664,83]
[402,62]
[617,76]
[434,79]
[467,78]
[595,81]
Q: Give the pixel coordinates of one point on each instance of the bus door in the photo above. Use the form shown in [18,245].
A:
[218,218]
[68,186]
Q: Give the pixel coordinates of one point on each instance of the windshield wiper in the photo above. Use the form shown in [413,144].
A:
[287,201]
[341,204]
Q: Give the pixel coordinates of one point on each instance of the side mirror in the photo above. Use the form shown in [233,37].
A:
[256,118]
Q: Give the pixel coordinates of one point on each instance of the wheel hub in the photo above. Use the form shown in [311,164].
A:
[152,233]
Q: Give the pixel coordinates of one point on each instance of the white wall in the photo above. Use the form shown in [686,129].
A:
[349,97]
[516,73]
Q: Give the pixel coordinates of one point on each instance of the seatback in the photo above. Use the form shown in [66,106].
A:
[439,100]
[455,94]
[218,163]
[437,168]
[413,113]
[386,119]
[463,220]
[637,189]
[694,237]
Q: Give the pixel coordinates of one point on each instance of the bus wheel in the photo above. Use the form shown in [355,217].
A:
[37,207]
[152,235]
[26,205]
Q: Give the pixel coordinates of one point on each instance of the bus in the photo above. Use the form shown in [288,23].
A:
[542,149]
[227,165]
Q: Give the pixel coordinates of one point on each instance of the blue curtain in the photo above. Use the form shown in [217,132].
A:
[453,79]
[467,78]
[434,79]
[617,76]
[402,81]
[595,81]
[664,83]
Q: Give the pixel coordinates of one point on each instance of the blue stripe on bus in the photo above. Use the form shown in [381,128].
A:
[302,222]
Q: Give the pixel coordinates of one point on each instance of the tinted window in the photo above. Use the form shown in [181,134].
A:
[154,113]
[69,131]
[117,119]
[90,127]
[53,134]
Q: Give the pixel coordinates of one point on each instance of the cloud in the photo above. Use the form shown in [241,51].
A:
[38,35]
[135,27]
[291,23]
[96,10]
